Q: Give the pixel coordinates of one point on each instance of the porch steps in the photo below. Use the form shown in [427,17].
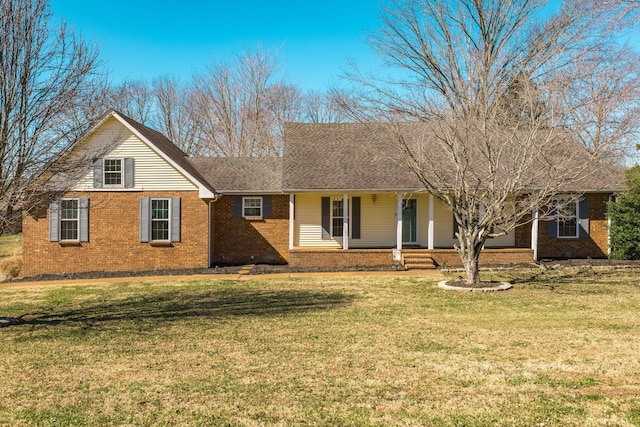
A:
[418,260]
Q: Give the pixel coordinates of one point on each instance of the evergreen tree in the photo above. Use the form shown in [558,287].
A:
[625,219]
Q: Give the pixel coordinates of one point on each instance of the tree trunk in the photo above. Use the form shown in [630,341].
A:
[470,260]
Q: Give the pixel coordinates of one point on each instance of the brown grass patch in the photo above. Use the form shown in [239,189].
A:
[11,255]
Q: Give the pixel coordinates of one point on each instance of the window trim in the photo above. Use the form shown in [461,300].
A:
[76,220]
[105,172]
[576,216]
[168,219]
[244,207]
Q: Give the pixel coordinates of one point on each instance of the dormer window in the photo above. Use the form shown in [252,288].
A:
[113,171]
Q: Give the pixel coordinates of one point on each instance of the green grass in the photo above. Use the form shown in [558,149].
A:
[561,349]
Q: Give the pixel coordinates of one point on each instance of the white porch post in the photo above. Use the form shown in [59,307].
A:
[399,222]
[292,228]
[345,221]
[431,223]
[534,233]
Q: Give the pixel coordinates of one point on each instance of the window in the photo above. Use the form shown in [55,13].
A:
[332,217]
[160,219]
[337,217]
[252,206]
[69,219]
[113,172]
[568,219]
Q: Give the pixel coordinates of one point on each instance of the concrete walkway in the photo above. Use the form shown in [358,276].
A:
[243,274]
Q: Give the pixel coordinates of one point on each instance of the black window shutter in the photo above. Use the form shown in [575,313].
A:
[237,206]
[355,217]
[84,219]
[54,222]
[175,219]
[266,206]
[553,224]
[128,172]
[583,217]
[144,220]
[326,217]
[97,173]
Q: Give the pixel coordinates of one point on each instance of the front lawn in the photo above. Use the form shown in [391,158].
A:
[560,349]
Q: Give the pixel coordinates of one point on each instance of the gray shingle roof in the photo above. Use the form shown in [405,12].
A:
[359,156]
[241,174]
[347,156]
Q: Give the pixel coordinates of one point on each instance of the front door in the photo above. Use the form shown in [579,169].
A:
[409,221]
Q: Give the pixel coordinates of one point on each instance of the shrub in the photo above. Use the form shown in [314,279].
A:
[625,219]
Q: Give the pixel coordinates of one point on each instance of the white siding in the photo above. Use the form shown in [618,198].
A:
[152,172]
[308,222]
[377,221]
[443,233]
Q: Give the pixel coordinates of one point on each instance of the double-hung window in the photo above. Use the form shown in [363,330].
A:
[252,207]
[69,219]
[333,218]
[160,219]
[337,217]
[568,219]
[113,171]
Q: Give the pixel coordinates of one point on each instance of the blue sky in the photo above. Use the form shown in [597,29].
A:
[145,39]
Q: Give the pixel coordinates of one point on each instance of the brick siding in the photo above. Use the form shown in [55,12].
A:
[359,258]
[449,258]
[239,240]
[594,246]
[338,258]
[114,243]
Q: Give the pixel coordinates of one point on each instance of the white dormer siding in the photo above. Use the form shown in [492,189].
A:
[151,171]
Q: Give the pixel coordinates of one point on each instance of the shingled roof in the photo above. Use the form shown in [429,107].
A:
[345,156]
[364,157]
[257,175]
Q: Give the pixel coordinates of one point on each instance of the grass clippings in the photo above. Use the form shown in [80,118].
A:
[561,349]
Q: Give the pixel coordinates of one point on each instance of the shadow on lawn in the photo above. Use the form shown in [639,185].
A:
[179,305]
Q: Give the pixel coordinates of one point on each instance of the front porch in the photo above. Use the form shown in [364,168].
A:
[332,258]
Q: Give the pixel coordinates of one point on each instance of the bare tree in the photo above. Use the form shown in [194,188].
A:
[323,107]
[174,115]
[45,73]
[134,98]
[604,101]
[488,80]
[240,107]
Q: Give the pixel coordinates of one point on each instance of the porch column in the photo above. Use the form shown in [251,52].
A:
[292,220]
[534,233]
[431,223]
[345,221]
[399,221]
